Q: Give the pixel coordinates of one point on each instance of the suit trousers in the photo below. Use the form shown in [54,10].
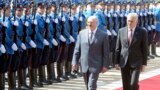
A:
[90,80]
[130,77]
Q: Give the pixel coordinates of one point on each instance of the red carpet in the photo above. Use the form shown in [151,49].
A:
[152,83]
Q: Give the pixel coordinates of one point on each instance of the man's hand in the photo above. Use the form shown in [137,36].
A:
[104,69]
[74,67]
[143,68]
[117,66]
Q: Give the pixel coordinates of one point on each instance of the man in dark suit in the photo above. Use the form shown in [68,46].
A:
[131,52]
[92,51]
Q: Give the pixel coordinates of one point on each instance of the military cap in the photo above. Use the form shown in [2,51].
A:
[19,6]
[41,4]
[5,5]
[26,4]
[53,3]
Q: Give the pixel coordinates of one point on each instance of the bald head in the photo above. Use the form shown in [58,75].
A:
[132,20]
[92,22]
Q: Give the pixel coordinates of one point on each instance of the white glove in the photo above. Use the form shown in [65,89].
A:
[62,38]
[45,42]
[149,13]
[16,23]
[63,19]
[71,18]
[80,19]
[109,33]
[121,15]
[54,42]
[109,15]
[23,46]
[4,24]
[47,20]
[141,14]
[33,45]
[14,47]
[2,49]
[114,33]
[71,39]
[55,20]
[26,24]
[35,22]
[153,26]
[149,28]
[125,15]
[145,14]
[115,15]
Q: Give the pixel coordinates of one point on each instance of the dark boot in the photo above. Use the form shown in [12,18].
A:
[2,82]
[153,49]
[22,80]
[54,79]
[60,72]
[42,75]
[31,77]
[11,81]
[69,71]
[49,73]
[36,83]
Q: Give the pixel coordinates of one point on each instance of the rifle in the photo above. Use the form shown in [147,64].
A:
[33,25]
[3,27]
[79,22]
[70,21]
[46,24]
[25,28]
[14,19]
[62,23]
[54,24]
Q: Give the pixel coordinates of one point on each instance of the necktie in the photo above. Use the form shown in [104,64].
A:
[130,36]
[91,37]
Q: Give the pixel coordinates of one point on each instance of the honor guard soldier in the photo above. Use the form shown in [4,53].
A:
[90,9]
[81,16]
[157,25]
[33,61]
[40,41]
[153,44]
[101,16]
[55,31]
[47,49]
[3,58]
[10,42]
[73,23]
[18,31]
[112,17]
[138,13]
[27,54]
[63,47]
[122,16]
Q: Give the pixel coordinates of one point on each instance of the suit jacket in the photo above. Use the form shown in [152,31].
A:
[92,56]
[136,52]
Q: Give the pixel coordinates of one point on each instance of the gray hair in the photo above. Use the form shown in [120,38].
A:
[93,18]
[133,15]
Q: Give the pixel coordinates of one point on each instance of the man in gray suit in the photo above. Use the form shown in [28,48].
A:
[92,51]
[131,52]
